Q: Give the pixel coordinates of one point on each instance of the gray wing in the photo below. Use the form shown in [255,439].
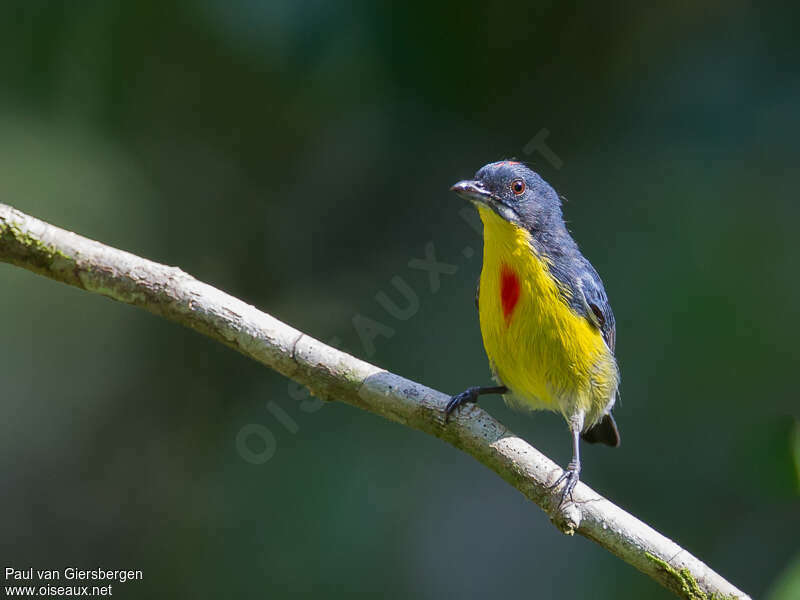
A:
[598,311]
[596,306]
[582,288]
[578,282]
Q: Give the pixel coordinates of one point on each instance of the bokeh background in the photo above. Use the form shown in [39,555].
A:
[298,155]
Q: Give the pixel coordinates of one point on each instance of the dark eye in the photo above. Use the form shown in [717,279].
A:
[518,186]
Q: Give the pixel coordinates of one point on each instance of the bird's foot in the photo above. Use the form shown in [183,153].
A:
[570,478]
[468,395]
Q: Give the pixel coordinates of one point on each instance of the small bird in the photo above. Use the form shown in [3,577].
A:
[546,322]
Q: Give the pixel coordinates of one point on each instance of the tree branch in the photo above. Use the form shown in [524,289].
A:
[333,375]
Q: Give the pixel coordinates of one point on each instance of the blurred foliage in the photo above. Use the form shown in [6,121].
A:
[788,585]
[298,155]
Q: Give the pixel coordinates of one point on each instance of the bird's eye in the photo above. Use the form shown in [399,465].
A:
[518,186]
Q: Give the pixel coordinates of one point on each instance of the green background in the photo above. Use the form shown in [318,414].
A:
[298,155]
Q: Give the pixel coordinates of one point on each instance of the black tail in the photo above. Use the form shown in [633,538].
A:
[605,431]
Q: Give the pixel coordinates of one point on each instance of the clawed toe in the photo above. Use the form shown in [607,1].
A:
[570,477]
[459,399]
[471,395]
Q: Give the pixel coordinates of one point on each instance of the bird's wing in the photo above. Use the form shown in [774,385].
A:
[596,306]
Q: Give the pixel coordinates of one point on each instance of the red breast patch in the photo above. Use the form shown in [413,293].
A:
[509,291]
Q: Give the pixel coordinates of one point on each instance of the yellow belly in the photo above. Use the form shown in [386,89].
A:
[547,355]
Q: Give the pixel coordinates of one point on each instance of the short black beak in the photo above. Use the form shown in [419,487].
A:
[473,191]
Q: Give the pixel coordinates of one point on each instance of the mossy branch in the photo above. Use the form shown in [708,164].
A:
[333,375]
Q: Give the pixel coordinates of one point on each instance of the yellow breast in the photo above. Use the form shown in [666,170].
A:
[546,354]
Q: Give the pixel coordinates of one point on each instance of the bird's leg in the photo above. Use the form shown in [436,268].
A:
[572,473]
[471,395]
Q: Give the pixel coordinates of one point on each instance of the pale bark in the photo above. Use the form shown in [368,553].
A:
[334,375]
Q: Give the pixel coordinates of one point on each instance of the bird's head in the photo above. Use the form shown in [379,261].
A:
[515,193]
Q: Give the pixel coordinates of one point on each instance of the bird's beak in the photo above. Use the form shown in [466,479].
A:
[473,190]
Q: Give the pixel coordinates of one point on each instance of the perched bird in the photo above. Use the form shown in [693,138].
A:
[546,322]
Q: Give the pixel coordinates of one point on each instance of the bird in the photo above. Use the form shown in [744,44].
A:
[546,321]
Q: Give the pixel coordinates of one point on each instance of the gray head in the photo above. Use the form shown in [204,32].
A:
[515,193]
